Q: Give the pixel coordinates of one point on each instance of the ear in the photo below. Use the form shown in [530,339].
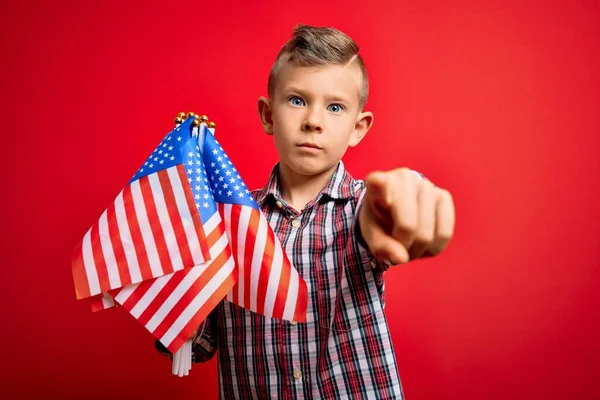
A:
[266,115]
[364,121]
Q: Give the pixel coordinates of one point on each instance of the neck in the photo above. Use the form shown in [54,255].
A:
[298,190]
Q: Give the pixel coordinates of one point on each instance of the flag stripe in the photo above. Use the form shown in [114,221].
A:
[140,231]
[248,254]
[107,252]
[125,241]
[222,280]
[99,263]
[162,251]
[265,272]
[244,219]
[184,224]
[195,215]
[164,317]
[81,275]
[257,261]
[166,229]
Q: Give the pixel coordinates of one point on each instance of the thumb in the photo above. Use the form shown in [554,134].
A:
[387,248]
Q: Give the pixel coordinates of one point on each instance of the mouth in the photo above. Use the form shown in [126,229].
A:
[309,145]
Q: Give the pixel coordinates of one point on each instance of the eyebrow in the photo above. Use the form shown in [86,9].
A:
[333,97]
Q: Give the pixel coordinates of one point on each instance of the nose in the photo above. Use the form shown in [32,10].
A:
[312,120]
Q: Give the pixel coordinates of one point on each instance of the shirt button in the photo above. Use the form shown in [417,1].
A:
[297,374]
[295,223]
[279,204]
[293,323]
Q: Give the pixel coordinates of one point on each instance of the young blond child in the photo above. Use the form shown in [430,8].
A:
[341,234]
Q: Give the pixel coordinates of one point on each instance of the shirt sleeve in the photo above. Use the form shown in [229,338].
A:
[204,345]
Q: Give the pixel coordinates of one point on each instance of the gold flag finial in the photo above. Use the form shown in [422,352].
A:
[178,120]
[204,118]
[190,114]
[196,123]
[211,124]
[181,115]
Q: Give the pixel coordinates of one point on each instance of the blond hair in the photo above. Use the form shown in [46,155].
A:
[316,46]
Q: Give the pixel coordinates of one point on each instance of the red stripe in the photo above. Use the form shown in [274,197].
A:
[99,259]
[176,220]
[301,301]
[136,234]
[82,285]
[117,246]
[282,288]
[265,272]
[202,314]
[234,220]
[249,251]
[155,226]
[193,291]
[162,296]
[187,189]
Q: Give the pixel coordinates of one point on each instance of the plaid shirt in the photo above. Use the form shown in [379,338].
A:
[344,350]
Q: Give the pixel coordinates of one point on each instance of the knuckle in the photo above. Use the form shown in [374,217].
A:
[425,236]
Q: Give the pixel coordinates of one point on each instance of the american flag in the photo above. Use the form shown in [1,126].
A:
[178,238]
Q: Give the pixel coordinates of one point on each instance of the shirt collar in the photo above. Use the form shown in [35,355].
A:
[340,186]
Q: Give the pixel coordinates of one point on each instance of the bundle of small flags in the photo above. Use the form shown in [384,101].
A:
[183,235]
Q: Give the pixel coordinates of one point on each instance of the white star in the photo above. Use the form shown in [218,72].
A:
[170,147]
[169,138]
[179,138]
[190,154]
[166,154]
[197,205]
[190,180]
[219,158]
[190,163]
[221,179]
[151,165]
[146,163]
[206,195]
[198,162]
[160,152]
[161,162]
[212,164]
[197,187]
[220,192]
[205,187]
[237,187]
[223,165]
[155,158]
[141,169]
[197,170]
[232,180]
[198,179]
[197,196]
[225,186]
[205,205]
[215,151]
[229,193]
[227,173]
[172,158]
[241,195]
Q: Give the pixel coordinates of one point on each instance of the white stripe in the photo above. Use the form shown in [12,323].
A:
[273,283]
[126,240]
[292,295]
[244,221]
[212,223]
[89,264]
[150,295]
[257,259]
[107,301]
[165,223]
[108,252]
[124,293]
[200,299]
[227,220]
[142,218]
[183,287]
[186,217]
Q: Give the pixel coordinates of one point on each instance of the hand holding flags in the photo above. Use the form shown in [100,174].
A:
[178,238]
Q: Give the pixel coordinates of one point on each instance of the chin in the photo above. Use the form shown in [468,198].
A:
[309,167]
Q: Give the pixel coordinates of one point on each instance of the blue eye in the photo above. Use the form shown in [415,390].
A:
[296,101]
[335,108]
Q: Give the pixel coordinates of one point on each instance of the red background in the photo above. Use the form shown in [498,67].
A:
[497,102]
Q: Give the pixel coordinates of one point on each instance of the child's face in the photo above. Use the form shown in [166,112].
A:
[315,116]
